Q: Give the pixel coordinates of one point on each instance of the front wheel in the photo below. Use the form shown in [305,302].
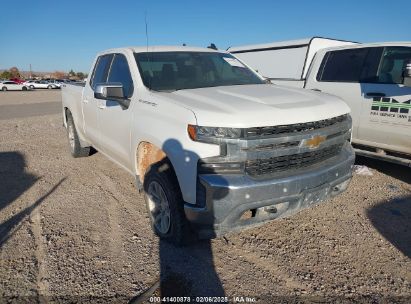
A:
[165,204]
[4,89]
[49,87]
[32,87]
[76,149]
[24,88]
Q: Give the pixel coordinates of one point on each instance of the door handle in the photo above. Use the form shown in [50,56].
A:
[375,94]
[317,90]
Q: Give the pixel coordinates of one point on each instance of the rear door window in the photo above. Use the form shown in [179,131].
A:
[101,70]
[343,65]
[392,64]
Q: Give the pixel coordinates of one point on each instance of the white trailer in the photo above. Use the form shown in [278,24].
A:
[286,61]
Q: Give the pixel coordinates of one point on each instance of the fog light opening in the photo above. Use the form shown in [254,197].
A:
[271,209]
[248,214]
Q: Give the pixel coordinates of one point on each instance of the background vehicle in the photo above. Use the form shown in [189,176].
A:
[12,86]
[369,78]
[207,139]
[65,80]
[56,82]
[17,80]
[40,84]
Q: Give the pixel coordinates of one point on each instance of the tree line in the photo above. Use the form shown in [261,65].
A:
[15,73]
[11,73]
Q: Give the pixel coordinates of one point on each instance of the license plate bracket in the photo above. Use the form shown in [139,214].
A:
[316,196]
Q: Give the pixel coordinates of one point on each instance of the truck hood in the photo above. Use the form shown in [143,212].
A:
[244,106]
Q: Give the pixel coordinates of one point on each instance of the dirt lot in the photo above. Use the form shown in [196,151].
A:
[76,230]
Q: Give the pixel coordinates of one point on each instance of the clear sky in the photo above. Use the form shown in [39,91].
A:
[64,35]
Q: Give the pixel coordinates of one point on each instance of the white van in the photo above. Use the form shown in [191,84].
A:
[370,79]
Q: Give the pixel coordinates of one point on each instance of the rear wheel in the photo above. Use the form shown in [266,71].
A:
[24,88]
[165,204]
[76,149]
[32,87]
[49,87]
[4,89]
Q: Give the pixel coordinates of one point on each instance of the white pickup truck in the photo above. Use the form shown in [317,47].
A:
[371,78]
[214,147]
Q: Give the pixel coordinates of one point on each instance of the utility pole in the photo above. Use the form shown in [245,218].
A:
[30,71]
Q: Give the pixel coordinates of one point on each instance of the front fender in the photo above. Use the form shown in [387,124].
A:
[165,126]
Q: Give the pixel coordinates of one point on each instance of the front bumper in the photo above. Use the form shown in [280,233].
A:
[230,198]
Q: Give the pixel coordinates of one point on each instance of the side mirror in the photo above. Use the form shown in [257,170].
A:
[112,91]
[407,74]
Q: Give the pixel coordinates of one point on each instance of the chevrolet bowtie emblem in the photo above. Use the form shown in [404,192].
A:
[314,142]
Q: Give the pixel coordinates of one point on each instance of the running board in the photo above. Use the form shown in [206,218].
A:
[389,158]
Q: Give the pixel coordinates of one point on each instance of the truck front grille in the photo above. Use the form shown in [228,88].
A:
[288,162]
[259,132]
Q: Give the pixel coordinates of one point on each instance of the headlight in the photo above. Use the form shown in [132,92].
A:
[210,134]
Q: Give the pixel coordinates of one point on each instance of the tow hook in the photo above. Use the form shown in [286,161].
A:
[270,209]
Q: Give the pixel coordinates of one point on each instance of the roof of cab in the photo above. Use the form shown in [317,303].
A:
[161,48]
[270,45]
[280,44]
[364,45]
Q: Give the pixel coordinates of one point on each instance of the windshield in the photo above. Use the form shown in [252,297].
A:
[169,71]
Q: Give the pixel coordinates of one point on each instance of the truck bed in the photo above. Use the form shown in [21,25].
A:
[72,95]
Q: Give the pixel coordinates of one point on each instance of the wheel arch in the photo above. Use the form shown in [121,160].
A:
[183,161]
[148,154]
[83,140]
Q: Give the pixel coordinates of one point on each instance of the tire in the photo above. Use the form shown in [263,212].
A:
[76,149]
[162,195]
[49,87]
[4,89]
[32,87]
[24,88]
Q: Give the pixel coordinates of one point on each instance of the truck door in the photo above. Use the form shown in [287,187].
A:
[114,121]
[338,73]
[90,104]
[11,85]
[385,120]
[369,80]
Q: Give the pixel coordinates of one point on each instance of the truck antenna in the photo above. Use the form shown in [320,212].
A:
[212,46]
[148,57]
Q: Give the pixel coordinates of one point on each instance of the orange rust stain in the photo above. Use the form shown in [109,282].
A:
[147,155]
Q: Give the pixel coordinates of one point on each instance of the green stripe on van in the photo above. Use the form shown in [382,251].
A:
[392,105]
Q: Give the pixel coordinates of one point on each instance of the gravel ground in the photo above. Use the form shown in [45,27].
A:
[76,230]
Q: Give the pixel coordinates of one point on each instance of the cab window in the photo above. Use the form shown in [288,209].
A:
[391,66]
[343,65]
[120,72]
[383,65]
[101,70]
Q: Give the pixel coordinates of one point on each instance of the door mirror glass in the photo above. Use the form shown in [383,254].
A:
[407,74]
